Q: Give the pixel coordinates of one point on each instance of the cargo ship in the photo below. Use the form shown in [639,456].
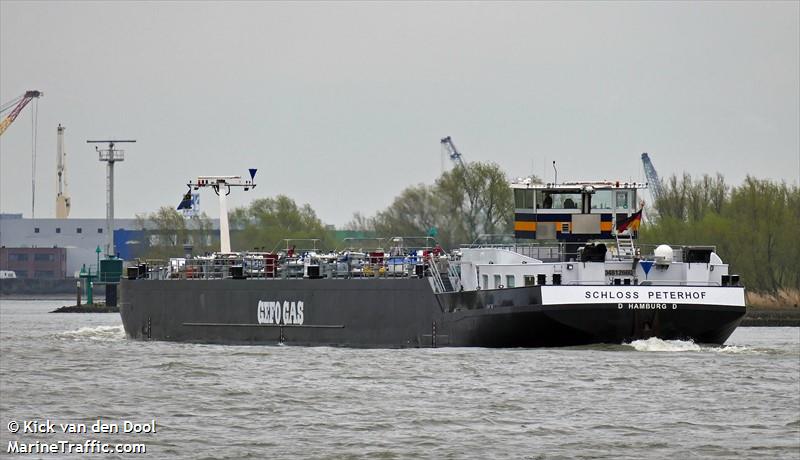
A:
[573,274]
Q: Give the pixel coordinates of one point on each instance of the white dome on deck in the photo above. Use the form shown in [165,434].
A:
[663,254]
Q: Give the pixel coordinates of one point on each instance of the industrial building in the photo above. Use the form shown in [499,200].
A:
[75,240]
[37,263]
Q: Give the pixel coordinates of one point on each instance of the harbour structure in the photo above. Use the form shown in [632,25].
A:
[573,275]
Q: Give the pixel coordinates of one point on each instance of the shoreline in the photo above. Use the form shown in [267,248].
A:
[771,317]
[60,297]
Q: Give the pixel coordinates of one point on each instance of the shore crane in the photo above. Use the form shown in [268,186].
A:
[21,102]
[63,202]
[450,148]
[653,181]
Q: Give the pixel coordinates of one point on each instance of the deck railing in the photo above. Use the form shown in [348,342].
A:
[268,266]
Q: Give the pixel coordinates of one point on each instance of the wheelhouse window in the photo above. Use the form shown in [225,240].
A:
[523,198]
[602,199]
[486,281]
[498,281]
[624,200]
[558,200]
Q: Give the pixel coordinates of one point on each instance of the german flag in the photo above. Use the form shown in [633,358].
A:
[631,222]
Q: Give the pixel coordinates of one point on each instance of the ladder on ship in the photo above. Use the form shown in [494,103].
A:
[446,284]
[440,275]
[625,246]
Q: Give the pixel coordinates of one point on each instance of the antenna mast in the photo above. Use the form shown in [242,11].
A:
[110,156]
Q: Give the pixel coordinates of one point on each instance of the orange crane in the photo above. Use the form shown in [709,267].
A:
[22,101]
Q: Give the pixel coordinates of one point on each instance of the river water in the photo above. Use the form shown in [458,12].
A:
[649,399]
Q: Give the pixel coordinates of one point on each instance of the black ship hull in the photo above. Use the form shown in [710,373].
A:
[396,313]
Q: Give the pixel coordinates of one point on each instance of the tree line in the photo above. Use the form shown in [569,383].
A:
[468,201]
[261,226]
[266,222]
[754,226]
[166,231]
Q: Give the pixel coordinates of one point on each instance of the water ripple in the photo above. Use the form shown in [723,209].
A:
[100,333]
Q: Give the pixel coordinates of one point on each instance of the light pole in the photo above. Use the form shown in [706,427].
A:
[110,156]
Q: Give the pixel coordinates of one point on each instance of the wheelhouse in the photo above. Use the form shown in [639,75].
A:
[572,211]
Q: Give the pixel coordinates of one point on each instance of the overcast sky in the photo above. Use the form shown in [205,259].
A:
[342,105]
